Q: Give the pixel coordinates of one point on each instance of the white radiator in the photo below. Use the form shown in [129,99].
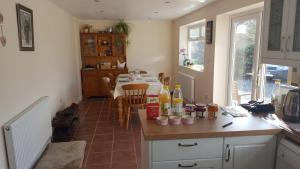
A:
[28,134]
[187,86]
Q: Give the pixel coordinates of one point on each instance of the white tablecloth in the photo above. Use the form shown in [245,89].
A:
[154,84]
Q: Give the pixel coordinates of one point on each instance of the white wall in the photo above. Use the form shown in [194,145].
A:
[150,45]
[50,70]
[204,91]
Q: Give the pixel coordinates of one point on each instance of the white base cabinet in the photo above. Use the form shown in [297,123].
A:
[251,152]
[288,155]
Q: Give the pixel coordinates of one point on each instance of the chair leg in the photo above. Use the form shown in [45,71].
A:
[128,117]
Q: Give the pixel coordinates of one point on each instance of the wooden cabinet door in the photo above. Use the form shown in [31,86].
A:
[91,83]
[251,152]
[91,86]
[275,29]
[293,41]
[89,44]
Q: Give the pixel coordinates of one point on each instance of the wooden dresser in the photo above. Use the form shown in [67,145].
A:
[100,53]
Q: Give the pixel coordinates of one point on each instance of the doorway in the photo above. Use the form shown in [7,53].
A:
[244,57]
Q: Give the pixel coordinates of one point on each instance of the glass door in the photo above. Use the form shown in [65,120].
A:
[276,16]
[89,44]
[245,38]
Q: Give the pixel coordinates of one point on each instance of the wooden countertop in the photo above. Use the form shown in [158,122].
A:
[204,128]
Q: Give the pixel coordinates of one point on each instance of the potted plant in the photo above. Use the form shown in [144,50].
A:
[121,28]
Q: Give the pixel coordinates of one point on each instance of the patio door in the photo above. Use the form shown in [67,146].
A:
[244,58]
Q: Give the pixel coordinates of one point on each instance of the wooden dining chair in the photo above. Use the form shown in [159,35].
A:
[134,97]
[107,86]
[161,77]
[167,81]
[108,91]
[143,72]
[112,80]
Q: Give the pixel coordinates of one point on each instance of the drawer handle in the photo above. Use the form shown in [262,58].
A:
[227,150]
[187,145]
[187,166]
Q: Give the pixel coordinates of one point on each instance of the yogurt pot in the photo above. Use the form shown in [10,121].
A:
[187,119]
[175,120]
[162,120]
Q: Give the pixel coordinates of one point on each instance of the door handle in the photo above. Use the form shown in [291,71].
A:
[287,43]
[227,150]
[282,39]
[187,145]
[187,166]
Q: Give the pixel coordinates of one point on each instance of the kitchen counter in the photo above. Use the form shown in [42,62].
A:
[204,128]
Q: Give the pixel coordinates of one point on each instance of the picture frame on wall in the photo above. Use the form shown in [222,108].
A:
[209,32]
[25,28]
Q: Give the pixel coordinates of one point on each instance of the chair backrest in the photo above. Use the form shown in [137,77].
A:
[112,79]
[135,94]
[143,72]
[106,84]
[167,81]
[161,77]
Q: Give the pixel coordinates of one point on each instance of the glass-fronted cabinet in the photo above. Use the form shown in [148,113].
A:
[274,36]
[89,44]
[281,32]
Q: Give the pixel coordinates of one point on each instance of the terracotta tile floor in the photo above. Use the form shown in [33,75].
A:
[108,145]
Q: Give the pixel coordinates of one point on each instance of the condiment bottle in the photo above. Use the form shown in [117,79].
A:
[165,102]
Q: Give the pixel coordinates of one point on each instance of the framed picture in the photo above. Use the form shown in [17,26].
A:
[209,32]
[25,28]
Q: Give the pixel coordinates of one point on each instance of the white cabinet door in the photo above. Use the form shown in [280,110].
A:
[192,164]
[249,152]
[282,164]
[275,29]
[288,155]
[293,35]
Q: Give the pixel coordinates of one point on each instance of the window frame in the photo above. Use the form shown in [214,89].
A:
[201,25]
[197,25]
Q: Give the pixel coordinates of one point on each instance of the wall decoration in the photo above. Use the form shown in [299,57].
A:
[2,37]
[209,32]
[25,28]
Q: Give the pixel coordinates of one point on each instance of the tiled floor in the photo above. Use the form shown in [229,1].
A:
[108,145]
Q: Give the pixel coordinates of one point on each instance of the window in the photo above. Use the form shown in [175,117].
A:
[286,76]
[192,46]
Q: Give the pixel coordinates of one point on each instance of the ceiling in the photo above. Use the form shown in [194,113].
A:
[130,9]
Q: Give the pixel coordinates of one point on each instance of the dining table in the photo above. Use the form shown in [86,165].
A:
[155,87]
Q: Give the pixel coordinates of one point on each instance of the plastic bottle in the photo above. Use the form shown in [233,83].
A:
[165,102]
[177,101]
[276,96]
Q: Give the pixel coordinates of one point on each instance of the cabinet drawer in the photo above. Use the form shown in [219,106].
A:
[91,73]
[288,156]
[192,164]
[173,150]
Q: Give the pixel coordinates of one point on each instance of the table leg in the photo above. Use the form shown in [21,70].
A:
[120,110]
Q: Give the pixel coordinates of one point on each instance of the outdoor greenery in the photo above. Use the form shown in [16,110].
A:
[244,49]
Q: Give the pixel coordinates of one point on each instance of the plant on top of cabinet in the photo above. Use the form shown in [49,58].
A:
[121,28]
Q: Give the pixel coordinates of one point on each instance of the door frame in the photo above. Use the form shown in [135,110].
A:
[258,14]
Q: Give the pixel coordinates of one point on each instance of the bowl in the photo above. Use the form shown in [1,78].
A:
[175,120]
[187,119]
[162,120]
